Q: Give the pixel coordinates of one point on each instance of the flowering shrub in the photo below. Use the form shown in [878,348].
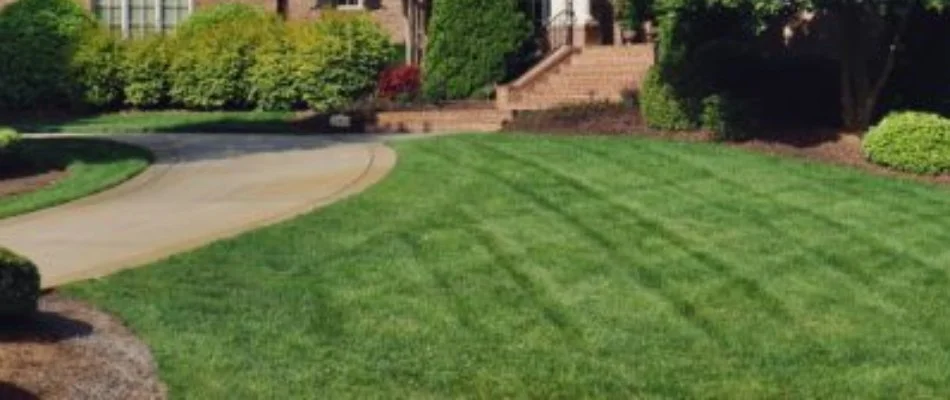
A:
[399,82]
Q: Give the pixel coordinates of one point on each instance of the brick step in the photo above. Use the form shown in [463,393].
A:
[567,99]
[585,79]
[556,90]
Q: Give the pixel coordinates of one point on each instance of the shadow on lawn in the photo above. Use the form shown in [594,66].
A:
[9,391]
[296,123]
[42,155]
[43,327]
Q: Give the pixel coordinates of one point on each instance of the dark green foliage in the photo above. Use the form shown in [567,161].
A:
[911,141]
[470,44]
[922,80]
[212,54]
[726,117]
[96,68]
[19,285]
[37,41]
[661,105]
[144,70]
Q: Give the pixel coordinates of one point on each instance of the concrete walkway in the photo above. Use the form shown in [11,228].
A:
[200,189]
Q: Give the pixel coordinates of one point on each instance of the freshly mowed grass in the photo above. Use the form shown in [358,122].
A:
[91,166]
[161,121]
[540,267]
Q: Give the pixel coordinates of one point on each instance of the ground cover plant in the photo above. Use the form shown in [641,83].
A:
[556,267]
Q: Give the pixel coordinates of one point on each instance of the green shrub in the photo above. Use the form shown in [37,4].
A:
[19,285]
[337,60]
[212,54]
[8,138]
[270,78]
[96,68]
[38,40]
[662,108]
[911,141]
[144,71]
[727,118]
[470,44]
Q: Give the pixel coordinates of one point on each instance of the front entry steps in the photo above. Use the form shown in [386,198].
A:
[577,75]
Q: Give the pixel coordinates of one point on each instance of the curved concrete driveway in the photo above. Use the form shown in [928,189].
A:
[200,189]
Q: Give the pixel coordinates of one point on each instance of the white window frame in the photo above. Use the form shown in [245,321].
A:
[358,5]
[126,9]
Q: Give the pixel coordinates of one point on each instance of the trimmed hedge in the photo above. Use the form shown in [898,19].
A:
[19,285]
[337,60]
[270,76]
[144,72]
[38,41]
[470,44]
[230,56]
[212,55]
[911,141]
[96,68]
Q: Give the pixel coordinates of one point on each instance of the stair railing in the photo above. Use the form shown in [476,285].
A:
[559,29]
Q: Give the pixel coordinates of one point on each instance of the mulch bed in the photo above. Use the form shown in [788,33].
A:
[71,350]
[821,145]
[28,180]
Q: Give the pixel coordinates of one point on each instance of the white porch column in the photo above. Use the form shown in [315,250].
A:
[582,15]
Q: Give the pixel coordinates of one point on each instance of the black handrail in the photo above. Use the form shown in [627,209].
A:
[559,29]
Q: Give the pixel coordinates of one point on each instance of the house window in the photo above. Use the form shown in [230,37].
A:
[349,4]
[136,18]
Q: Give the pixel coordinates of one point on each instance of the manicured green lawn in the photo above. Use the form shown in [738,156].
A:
[162,121]
[538,267]
[92,165]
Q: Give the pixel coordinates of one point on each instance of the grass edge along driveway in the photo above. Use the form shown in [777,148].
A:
[92,165]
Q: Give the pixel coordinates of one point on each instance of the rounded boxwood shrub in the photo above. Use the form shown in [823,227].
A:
[144,71]
[19,285]
[212,53]
[38,41]
[911,141]
[96,68]
[660,105]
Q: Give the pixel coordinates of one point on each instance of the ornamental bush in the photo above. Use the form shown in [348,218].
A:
[144,71]
[470,45]
[399,83]
[19,285]
[212,53]
[96,68]
[336,60]
[662,107]
[271,80]
[38,41]
[910,141]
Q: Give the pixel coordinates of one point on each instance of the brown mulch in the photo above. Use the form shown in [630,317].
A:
[73,351]
[18,182]
[821,145]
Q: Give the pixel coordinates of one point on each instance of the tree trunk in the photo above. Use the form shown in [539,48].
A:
[860,92]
